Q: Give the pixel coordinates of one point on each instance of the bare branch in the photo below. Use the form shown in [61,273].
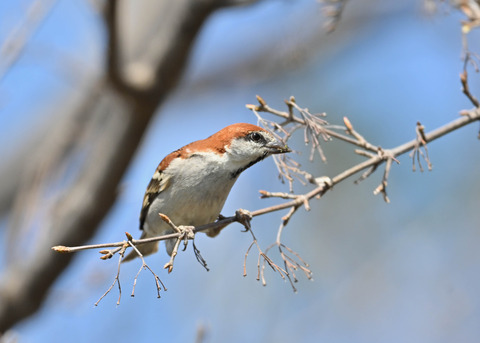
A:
[472,10]
[292,261]
[158,282]
[262,260]
[464,81]
[417,152]
[316,124]
[116,280]
[471,116]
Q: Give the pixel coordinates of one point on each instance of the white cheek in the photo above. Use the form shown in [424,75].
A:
[243,151]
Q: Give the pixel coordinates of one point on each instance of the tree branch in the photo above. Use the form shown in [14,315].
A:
[300,200]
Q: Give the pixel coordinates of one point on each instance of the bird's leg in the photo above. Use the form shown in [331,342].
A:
[169,264]
[186,233]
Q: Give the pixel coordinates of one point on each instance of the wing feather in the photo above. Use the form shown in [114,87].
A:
[158,184]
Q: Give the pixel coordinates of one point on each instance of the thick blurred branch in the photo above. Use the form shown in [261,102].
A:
[13,47]
[114,125]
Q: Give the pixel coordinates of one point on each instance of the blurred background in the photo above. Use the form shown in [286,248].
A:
[93,94]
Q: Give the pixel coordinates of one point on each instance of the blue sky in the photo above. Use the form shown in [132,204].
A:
[406,271]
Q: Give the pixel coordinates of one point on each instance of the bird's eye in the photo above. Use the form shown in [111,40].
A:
[256,137]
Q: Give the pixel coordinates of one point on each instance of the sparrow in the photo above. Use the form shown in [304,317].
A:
[191,184]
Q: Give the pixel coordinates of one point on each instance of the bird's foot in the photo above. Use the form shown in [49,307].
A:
[244,217]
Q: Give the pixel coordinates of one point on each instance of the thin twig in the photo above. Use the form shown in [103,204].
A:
[417,152]
[116,280]
[291,118]
[199,257]
[144,266]
[244,218]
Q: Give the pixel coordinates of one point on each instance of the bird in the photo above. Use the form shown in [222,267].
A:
[191,184]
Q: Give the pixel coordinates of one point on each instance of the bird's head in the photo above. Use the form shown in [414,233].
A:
[245,144]
[249,142]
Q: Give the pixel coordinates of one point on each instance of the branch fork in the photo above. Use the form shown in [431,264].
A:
[417,152]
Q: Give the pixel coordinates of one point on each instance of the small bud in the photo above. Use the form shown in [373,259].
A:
[164,217]
[348,124]
[61,249]
[103,252]
[261,101]
[263,194]
[129,236]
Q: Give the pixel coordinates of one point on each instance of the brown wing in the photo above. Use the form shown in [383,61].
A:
[158,183]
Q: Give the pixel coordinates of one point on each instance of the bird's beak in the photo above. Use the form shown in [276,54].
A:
[278,148]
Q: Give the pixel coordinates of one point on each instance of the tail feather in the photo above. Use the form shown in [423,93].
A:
[145,249]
